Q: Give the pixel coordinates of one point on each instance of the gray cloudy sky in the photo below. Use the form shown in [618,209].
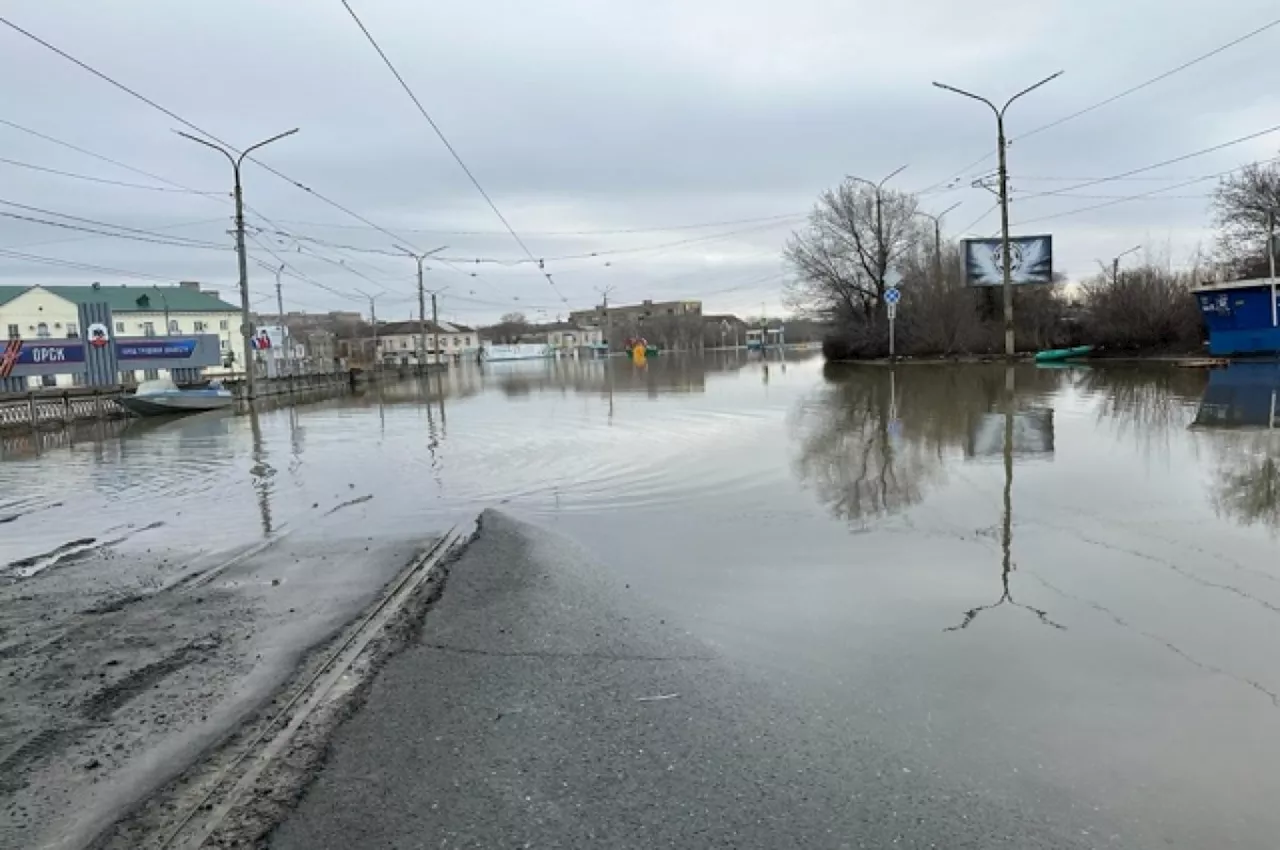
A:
[605,116]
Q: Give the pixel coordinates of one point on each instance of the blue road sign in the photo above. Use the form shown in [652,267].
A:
[892,296]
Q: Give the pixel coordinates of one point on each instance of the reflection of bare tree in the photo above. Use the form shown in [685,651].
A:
[849,458]
[1246,485]
[875,439]
[1148,403]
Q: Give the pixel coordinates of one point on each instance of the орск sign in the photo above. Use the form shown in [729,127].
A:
[18,353]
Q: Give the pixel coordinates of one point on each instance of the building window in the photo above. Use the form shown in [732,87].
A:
[173,327]
[119,327]
[73,330]
[226,344]
[42,331]
[224,325]
[15,332]
[403,343]
[148,329]
[467,341]
[48,380]
[199,327]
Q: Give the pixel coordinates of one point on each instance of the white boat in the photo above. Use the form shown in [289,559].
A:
[163,398]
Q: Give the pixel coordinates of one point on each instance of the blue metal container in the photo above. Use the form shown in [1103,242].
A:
[1239,318]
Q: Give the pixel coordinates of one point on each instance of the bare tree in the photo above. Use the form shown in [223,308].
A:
[841,261]
[1245,207]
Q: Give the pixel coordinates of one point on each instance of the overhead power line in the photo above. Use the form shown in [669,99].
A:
[181,240]
[1173,161]
[1140,86]
[151,240]
[1139,196]
[1112,99]
[602,232]
[92,179]
[448,145]
[54,261]
[188,124]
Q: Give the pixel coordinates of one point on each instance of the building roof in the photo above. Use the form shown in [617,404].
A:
[411,327]
[132,299]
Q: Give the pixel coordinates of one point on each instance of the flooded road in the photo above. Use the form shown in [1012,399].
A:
[1060,585]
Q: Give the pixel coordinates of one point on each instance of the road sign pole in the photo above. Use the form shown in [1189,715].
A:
[891,298]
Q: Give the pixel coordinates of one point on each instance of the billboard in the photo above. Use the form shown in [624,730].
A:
[1031,261]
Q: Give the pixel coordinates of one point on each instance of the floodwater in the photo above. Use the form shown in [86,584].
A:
[1062,585]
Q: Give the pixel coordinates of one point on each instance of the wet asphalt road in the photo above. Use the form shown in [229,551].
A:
[545,705]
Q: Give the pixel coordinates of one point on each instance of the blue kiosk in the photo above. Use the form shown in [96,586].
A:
[1241,317]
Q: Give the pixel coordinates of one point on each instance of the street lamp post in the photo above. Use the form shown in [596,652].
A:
[1115,263]
[246,331]
[422,306]
[937,235]
[1004,198]
[882,251]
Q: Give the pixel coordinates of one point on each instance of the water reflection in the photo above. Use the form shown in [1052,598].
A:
[1240,413]
[874,440]
[1036,440]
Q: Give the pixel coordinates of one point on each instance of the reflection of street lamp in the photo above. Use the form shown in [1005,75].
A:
[1001,144]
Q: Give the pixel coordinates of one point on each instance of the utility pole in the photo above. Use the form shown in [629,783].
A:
[422,305]
[882,250]
[284,329]
[1001,146]
[165,302]
[1115,263]
[435,325]
[373,320]
[608,320]
[937,236]
[246,327]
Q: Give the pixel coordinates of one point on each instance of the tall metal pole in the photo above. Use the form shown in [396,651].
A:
[1006,258]
[435,325]
[420,258]
[284,329]
[937,236]
[882,250]
[373,320]
[608,319]
[1002,144]
[246,327]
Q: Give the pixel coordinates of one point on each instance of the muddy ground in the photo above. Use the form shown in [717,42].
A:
[121,662]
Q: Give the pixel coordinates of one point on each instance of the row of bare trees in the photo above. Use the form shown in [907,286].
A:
[860,238]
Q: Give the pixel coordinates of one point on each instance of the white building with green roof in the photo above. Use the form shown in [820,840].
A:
[51,312]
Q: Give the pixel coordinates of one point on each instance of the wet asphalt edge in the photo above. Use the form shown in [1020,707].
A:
[251,821]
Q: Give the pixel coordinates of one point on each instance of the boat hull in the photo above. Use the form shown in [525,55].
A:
[171,404]
[1057,355]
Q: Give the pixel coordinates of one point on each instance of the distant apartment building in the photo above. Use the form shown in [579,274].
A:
[564,336]
[635,313]
[669,324]
[398,343]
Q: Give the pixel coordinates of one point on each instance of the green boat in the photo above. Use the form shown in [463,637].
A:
[1057,355]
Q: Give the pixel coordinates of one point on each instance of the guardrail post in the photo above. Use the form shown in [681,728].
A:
[67,418]
[31,409]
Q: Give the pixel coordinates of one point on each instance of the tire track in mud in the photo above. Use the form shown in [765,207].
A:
[73,550]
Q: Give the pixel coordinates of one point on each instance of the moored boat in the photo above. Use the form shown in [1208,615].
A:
[165,398]
[1057,355]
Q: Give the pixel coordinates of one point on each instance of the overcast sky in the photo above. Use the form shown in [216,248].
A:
[604,116]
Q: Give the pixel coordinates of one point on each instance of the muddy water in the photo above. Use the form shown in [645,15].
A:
[1062,584]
